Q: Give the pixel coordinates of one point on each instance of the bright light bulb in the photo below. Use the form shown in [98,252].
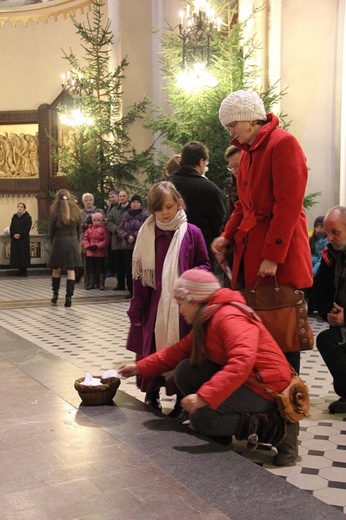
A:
[75,118]
[196,79]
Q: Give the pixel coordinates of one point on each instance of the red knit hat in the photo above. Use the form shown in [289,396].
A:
[196,285]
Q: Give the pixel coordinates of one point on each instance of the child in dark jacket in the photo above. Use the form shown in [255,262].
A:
[95,243]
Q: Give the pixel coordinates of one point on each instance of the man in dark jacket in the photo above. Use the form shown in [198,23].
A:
[330,294]
[114,218]
[204,206]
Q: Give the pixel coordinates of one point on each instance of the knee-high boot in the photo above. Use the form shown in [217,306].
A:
[288,448]
[268,428]
[55,288]
[69,292]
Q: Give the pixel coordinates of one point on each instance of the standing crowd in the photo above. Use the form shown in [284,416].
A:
[189,329]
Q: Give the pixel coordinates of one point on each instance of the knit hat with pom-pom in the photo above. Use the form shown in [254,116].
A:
[242,105]
[196,285]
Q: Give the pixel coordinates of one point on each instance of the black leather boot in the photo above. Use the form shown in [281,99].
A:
[267,428]
[69,292]
[153,399]
[55,287]
[288,448]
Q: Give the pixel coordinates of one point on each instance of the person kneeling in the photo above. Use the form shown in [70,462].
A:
[214,365]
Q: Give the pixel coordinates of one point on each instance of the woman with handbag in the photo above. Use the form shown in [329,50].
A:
[268,228]
[214,365]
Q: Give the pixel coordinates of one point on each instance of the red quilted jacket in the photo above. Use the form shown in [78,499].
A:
[235,341]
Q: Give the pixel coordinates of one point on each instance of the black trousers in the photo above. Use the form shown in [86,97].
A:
[119,258]
[128,254]
[333,351]
[223,421]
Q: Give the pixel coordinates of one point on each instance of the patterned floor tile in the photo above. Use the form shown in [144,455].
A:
[92,336]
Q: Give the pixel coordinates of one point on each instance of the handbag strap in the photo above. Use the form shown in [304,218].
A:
[251,314]
[277,288]
[246,310]
[270,391]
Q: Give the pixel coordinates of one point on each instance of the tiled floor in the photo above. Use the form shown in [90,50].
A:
[92,336]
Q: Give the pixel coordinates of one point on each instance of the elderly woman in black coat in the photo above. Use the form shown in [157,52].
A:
[20,240]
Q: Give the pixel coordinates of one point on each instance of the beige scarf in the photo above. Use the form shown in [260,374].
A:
[143,267]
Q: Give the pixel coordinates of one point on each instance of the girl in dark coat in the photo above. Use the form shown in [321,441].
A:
[20,240]
[64,232]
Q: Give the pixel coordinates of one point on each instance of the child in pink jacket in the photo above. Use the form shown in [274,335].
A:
[95,242]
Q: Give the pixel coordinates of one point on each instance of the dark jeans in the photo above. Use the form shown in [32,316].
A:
[87,273]
[224,420]
[97,265]
[334,356]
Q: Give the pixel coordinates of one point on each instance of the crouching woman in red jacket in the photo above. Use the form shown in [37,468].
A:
[214,365]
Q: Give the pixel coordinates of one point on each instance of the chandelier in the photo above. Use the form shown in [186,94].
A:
[75,84]
[196,27]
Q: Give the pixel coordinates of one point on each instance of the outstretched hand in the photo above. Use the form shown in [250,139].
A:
[128,370]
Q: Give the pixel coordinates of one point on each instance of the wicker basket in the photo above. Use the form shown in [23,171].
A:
[97,395]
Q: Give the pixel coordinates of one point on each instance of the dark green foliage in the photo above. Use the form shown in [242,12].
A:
[195,114]
[100,157]
[310,199]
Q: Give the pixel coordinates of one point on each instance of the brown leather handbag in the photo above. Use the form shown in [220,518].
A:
[293,402]
[283,311]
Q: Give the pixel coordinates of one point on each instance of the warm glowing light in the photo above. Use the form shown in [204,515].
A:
[196,79]
[75,118]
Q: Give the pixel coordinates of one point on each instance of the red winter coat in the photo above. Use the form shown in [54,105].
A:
[268,222]
[99,236]
[236,342]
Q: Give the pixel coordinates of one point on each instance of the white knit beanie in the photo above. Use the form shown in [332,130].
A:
[242,105]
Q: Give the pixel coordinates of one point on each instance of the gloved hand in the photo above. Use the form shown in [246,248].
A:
[92,248]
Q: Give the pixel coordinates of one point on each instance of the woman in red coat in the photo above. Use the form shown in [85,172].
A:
[215,362]
[267,228]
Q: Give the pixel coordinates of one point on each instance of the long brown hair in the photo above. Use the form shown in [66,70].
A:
[198,329]
[64,209]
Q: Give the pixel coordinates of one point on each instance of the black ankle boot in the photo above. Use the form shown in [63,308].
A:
[55,287]
[178,413]
[288,448]
[153,399]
